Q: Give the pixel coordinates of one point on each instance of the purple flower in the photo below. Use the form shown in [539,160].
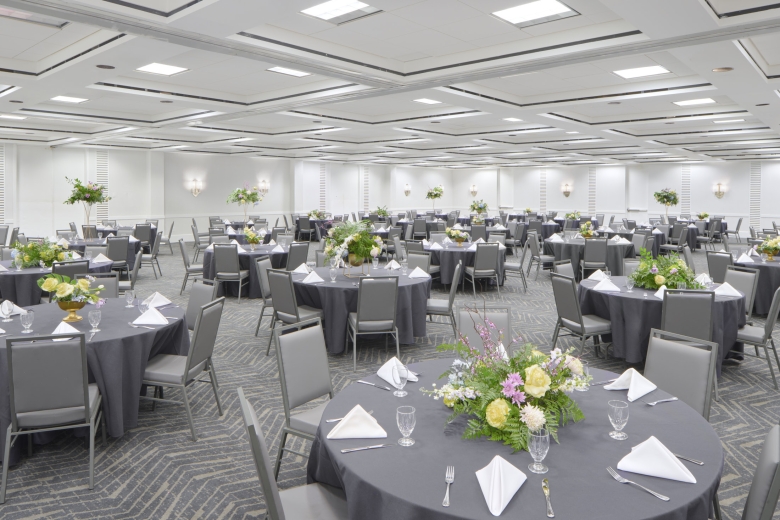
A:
[654,270]
[673,270]
[100,303]
[510,388]
[86,195]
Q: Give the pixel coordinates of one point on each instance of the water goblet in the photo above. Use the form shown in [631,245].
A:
[538,445]
[94,320]
[763,258]
[129,297]
[618,416]
[585,374]
[27,319]
[375,261]
[682,285]
[6,309]
[88,255]
[404,267]
[43,265]
[608,274]
[333,275]
[18,261]
[334,262]
[630,284]
[400,376]
[142,306]
[406,421]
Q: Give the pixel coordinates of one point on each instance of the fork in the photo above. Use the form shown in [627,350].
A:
[449,478]
[661,401]
[626,481]
[139,326]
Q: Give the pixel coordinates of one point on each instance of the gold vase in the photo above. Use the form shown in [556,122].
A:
[355,261]
[770,257]
[252,246]
[459,241]
[71,308]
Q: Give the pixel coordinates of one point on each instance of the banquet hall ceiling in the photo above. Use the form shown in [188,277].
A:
[503,94]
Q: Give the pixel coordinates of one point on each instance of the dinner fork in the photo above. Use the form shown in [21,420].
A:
[626,481]
[653,403]
[449,478]
[139,326]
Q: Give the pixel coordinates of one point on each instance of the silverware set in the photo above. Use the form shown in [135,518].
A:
[546,490]
[363,448]
[372,384]
[449,478]
[623,480]
[603,382]
[139,326]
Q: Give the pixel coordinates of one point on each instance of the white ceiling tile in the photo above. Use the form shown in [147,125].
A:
[558,26]
[481,26]
[573,71]
[412,56]
[383,26]
[599,80]
[769,47]
[498,39]
[10,47]
[26,30]
[433,13]
[429,41]
[300,23]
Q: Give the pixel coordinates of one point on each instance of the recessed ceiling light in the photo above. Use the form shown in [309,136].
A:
[717,121]
[17,101]
[427,101]
[106,67]
[166,101]
[161,69]
[535,12]
[722,69]
[68,99]
[341,11]
[572,132]
[512,119]
[289,72]
[8,116]
[613,103]
[641,72]
[691,102]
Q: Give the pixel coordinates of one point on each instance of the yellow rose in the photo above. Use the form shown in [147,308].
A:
[449,402]
[64,290]
[83,284]
[61,257]
[26,258]
[537,382]
[659,280]
[496,413]
[50,284]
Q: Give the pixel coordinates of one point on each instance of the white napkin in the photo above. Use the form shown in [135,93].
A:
[473,247]
[226,221]
[606,286]
[105,241]
[101,259]
[609,229]
[637,384]
[151,317]
[64,328]
[657,231]
[597,275]
[725,289]
[436,246]
[446,240]
[277,249]
[74,254]
[501,246]
[418,273]
[357,424]
[313,277]
[392,264]
[745,259]
[703,279]
[616,239]
[557,215]
[479,241]
[272,242]
[499,481]
[457,226]
[3,269]
[425,242]
[157,300]
[660,292]
[556,238]
[302,269]
[18,310]
[386,372]
[500,227]
[230,230]
[235,242]
[654,459]
[210,248]
[63,242]
[250,223]
[623,241]
[691,225]
[109,227]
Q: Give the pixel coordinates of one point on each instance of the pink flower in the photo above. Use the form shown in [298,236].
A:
[511,386]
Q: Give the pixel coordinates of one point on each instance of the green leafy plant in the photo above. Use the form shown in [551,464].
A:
[574,215]
[703,215]
[456,234]
[352,238]
[251,237]
[667,197]
[435,193]
[670,271]
[769,246]
[479,206]
[87,194]
[244,197]
[317,214]
[34,253]
[382,211]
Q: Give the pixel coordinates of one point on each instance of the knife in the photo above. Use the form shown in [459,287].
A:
[91,336]
[603,382]
[372,384]
[350,450]
[546,489]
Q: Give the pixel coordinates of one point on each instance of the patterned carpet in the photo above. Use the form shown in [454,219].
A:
[156,471]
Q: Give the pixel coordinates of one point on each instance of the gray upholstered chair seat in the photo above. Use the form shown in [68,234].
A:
[592,265]
[546,258]
[233,276]
[167,368]
[304,312]
[195,268]
[438,307]
[309,420]
[370,326]
[513,266]
[118,263]
[751,334]
[480,272]
[125,285]
[73,414]
[314,501]
[434,269]
[593,324]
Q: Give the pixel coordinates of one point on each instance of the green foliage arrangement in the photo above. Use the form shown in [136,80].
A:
[586,230]
[479,206]
[667,197]
[382,211]
[87,194]
[703,215]
[574,215]
[352,238]
[33,254]
[65,289]
[317,214]
[244,197]
[665,270]
[435,193]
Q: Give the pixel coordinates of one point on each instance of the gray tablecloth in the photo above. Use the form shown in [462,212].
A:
[132,248]
[408,483]
[104,232]
[634,314]
[449,257]
[549,229]
[246,260]
[561,221]
[117,357]
[768,282]
[338,299]
[21,287]
[575,248]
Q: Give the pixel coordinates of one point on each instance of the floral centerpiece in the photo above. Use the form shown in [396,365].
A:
[435,193]
[574,215]
[505,397]
[670,271]
[528,210]
[35,254]
[316,214]
[479,206]
[251,237]
[586,230]
[458,235]
[88,194]
[770,247]
[244,197]
[353,240]
[666,197]
[71,295]
[382,211]
[703,215]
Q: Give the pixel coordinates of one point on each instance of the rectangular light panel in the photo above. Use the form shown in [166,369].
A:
[427,101]
[534,13]
[641,72]
[693,102]
[161,69]
[68,99]
[341,11]
[289,72]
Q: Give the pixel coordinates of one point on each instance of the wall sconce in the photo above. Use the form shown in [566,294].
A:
[196,187]
[473,190]
[407,190]
[719,190]
[566,189]
[264,187]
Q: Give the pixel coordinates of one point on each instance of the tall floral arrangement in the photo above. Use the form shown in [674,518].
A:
[244,197]
[34,253]
[770,247]
[87,194]
[317,214]
[355,239]
[574,215]
[435,193]
[479,206]
[65,289]
[382,211]
[670,271]
[667,197]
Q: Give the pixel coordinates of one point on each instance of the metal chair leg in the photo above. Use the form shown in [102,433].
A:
[184,283]
[273,323]
[260,319]
[279,454]
[769,362]
[189,412]
[6,458]
[716,507]
[213,375]
[92,454]
[555,334]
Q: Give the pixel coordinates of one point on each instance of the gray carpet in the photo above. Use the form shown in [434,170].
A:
[156,471]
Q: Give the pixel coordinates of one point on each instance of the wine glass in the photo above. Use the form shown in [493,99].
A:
[404,267]
[763,258]
[405,418]
[43,265]
[129,298]
[333,275]
[27,319]
[6,309]
[400,376]
[618,416]
[334,262]
[142,306]
[538,445]
[94,320]
[608,274]
[18,261]
[375,261]
[682,285]
[630,284]
[88,255]
[585,374]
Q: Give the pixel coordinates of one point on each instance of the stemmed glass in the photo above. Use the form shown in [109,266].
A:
[538,445]
[333,273]
[585,373]
[129,298]
[630,284]
[608,274]
[6,309]
[43,265]
[400,376]
[142,306]
[18,261]
[404,267]
[406,421]
[375,261]
[618,416]
[27,319]
[94,320]
[682,285]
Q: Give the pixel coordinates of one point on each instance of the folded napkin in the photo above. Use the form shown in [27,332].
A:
[623,241]
[446,240]
[386,372]
[557,215]
[230,230]
[64,328]
[473,247]
[302,269]
[105,241]
[703,279]
[418,273]
[235,242]
[556,238]
[3,269]
[151,317]
[17,310]
[210,248]
[272,242]
[277,249]
[157,300]
[745,258]
[132,240]
[577,235]
[101,258]
[691,225]
[499,481]
[226,221]
[75,255]
[752,252]
[358,424]
[392,264]
[654,459]
[660,292]
[313,277]
[479,241]
[725,289]
[425,242]
[606,286]
[609,229]
[63,242]
[501,246]
[636,384]
[657,231]
[436,246]
[250,223]
[457,226]
[109,227]
[499,227]
[597,275]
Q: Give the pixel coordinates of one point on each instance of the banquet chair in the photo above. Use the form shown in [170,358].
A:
[276,231]
[166,241]
[414,245]
[227,267]
[199,246]
[74,228]
[709,238]
[595,255]
[717,263]
[172,371]
[684,367]
[761,337]
[630,265]
[422,259]
[397,251]
[745,280]
[639,243]
[601,218]
[674,236]
[535,225]
[62,233]
[5,253]
[94,251]
[570,317]
[287,223]
[320,259]
[676,244]
[497,237]
[22,239]
[297,255]
[376,313]
[285,304]
[688,312]
[517,267]
[143,232]
[89,232]
[151,258]
[437,237]
[35,240]
[701,227]
[568,224]
[70,269]
[440,307]
[200,233]
[390,242]
[563,267]
[48,390]
[471,317]
[116,250]
[124,232]
[304,228]
[310,501]
[302,358]
[419,229]
[478,231]
[14,235]
[129,285]
[485,262]
[109,281]
[672,220]
[201,294]
[611,221]
[769,233]
[663,227]
[536,256]
[108,223]
[729,232]
[685,216]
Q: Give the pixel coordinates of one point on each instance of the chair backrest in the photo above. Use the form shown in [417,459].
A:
[397,242]
[184,256]
[631,224]
[109,281]
[486,257]
[201,293]
[226,258]
[455,282]
[688,313]
[771,318]
[170,230]
[263,265]
[143,232]
[320,259]
[14,235]
[682,366]
[595,250]
[276,231]
[297,255]
[533,244]
[497,237]
[136,266]
[71,269]
[116,248]
[664,228]
[204,335]
[437,237]
[414,245]
[62,233]
[739,225]
[672,220]
[639,241]
[688,257]
[73,227]
[304,224]
[679,230]
[566,301]
[45,375]
[649,243]
[285,303]
[408,233]
[536,225]
[717,263]
[377,307]
[219,239]
[153,221]
[478,231]
[764,491]
[715,226]
[701,226]
[89,232]
[563,267]
[421,259]
[195,235]
[156,246]
[629,266]
[471,319]
[744,279]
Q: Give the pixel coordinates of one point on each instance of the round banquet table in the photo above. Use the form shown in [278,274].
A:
[429,226]
[21,287]
[449,257]
[574,250]
[548,229]
[133,246]
[338,299]
[562,221]
[466,221]
[116,358]
[323,224]
[396,482]
[768,282]
[634,314]
[246,261]
[659,238]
